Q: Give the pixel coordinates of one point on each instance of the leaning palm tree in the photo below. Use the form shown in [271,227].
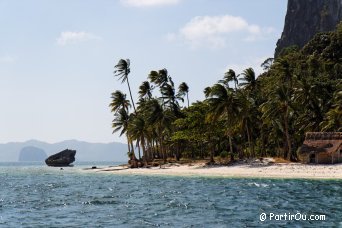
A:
[159,78]
[184,89]
[119,101]
[278,106]
[122,71]
[139,130]
[224,105]
[120,122]
[160,119]
[229,76]
[145,90]
[248,79]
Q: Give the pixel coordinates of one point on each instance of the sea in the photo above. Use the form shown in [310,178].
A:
[35,195]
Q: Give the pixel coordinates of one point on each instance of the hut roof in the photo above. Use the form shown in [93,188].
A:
[319,142]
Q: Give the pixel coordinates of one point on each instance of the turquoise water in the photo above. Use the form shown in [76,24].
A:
[33,195]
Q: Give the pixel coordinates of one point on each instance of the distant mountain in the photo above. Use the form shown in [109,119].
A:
[85,151]
[31,153]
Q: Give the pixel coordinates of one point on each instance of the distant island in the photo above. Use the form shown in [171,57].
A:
[31,153]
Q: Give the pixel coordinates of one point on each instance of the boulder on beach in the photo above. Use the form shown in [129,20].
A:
[63,158]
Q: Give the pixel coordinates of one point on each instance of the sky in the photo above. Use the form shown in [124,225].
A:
[57,57]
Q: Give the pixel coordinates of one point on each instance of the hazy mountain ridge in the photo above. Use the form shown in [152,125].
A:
[9,152]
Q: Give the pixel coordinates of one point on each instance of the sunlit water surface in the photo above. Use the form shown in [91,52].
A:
[34,195]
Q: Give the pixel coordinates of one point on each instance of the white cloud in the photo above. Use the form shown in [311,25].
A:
[7,59]
[213,31]
[148,3]
[69,37]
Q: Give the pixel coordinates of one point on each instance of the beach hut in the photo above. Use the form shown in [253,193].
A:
[321,148]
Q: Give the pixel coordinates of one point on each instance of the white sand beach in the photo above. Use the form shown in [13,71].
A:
[274,170]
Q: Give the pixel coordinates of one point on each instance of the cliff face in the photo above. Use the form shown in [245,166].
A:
[305,18]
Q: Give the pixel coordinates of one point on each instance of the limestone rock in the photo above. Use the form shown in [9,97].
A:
[63,158]
[306,18]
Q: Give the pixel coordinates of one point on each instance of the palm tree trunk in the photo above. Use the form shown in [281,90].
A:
[144,151]
[231,147]
[129,149]
[138,144]
[132,150]
[251,148]
[288,140]
[187,97]
[130,93]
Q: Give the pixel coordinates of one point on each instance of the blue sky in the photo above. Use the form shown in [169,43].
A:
[57,57]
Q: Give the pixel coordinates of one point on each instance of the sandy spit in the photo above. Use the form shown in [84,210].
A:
[278,170]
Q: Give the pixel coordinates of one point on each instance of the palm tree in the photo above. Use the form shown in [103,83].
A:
[184,89]
[278,107]
[120,122]
[139,130]
[224,105]
[333,117]
[161,119]
[119,101]
[159,78]
[249,79]
[120,106]
[246,116]
[145,90]
[266,65]
[122,71]
[229,76]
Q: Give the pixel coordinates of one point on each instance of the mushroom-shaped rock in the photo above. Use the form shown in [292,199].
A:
[63,158]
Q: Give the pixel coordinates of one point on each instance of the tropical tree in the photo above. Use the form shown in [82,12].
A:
[145,90]
[249,81]
[183,89]
[139,131]
[230,76]
[224,105]
[119,101]
[122,71]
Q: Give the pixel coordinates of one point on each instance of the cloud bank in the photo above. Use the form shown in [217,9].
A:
[69,37]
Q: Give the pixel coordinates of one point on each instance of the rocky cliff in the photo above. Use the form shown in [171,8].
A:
[305,18]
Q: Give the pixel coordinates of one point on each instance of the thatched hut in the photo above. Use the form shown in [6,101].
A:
[321,148]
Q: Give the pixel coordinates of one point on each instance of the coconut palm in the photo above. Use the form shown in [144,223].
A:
[120,122]
[229,76]
[161,120]
[119,101]
[224,105]
[159,78]
[139,130]
[278,107]
[145,90]
[122,71]
[184,89]
[248,80]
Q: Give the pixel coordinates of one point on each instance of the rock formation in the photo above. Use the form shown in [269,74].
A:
[63,158]
[31,153]
[305,18]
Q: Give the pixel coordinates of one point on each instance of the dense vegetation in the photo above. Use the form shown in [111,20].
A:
[243,115]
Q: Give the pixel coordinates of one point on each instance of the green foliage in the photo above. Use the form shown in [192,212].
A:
[224,154]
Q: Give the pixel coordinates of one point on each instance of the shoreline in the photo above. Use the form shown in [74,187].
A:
[268,171]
